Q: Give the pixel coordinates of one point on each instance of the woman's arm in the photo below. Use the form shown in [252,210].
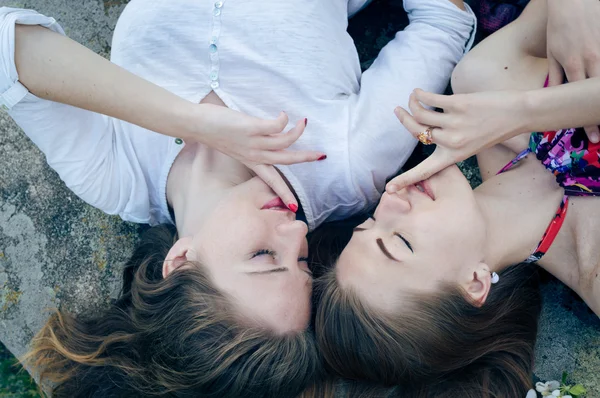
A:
[476,121]
[499,97]
[422,55]
[54,67]
[569,105]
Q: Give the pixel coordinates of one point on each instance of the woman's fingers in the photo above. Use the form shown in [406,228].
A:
[271,148]
[575,74]
[423,115]
[282,140]
[433,100]
[275,126]
[409,121]
[556,74]
[433,164]
[291,157]
[428,167]
[274,180]
[593,133]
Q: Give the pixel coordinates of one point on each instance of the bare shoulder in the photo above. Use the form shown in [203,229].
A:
[574,257]
[586,212]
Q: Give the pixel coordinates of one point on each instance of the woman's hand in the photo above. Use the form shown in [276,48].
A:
[255,142]
[43,62]
[469,124]
[573,44]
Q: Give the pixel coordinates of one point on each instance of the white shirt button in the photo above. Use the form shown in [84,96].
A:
[217,12]
[212,48]
[218,4]
[214,85]
[214,76]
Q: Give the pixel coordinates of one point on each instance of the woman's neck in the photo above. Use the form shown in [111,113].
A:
[199,177]
[518,206]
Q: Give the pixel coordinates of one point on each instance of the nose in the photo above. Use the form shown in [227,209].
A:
[393,204]
[293,238]
[294,230]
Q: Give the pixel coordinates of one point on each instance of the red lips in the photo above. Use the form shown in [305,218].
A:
[275,204]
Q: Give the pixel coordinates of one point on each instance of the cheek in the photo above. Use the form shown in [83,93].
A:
[454,234]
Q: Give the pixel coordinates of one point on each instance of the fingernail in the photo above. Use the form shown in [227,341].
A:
[322,157]
[392,188]
[305,122]
[595,138]
[293,207]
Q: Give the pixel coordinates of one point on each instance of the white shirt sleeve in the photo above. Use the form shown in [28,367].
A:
[421,56]
[78,144]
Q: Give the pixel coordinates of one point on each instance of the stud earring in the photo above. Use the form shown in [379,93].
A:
[495,278]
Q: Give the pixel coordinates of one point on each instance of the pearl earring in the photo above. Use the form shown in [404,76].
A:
[495,278]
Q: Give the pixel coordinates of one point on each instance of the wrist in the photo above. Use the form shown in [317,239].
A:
[527,111]
[190,119]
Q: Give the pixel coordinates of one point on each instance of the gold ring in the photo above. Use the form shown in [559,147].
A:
[425,136]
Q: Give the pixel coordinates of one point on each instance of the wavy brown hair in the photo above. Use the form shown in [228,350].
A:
[172,337]
[433,345]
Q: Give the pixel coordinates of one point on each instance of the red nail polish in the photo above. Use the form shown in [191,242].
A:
[323,157]
[305,122]
[293,207]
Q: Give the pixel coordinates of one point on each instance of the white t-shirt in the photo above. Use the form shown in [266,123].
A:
[259,57]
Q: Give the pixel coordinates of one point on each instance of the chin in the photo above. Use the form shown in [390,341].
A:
[450,182]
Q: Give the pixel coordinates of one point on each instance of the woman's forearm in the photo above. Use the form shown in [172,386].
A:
[57,68]
[569,105]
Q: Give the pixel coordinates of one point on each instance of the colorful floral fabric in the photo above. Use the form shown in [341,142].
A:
[574,161]
[495,14]
[572,158]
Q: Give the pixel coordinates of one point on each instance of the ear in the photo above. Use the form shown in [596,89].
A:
[478,284]
[178,255]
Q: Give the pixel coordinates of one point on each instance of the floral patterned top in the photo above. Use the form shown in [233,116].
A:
[575,161]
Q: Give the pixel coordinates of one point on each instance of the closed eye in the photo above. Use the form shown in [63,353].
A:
[264,252]
[406,242]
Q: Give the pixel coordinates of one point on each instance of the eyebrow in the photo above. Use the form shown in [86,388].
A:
[269,271]
[385,250]
[381,246]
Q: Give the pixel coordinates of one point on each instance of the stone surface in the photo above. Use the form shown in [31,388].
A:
[57,251]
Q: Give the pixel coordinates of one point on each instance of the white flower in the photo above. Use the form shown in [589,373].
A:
[548,388]
[557,393]
[531,394]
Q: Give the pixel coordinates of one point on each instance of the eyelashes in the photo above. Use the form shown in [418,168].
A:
[405,241]
[266,252]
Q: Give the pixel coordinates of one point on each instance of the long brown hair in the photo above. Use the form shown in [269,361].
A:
[172,337]
[435,345]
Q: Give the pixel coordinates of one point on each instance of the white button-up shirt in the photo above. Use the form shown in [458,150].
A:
[259,57]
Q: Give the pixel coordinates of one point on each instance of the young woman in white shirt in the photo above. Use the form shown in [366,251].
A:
[219,305]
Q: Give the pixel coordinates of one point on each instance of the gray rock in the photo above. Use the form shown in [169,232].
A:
[57,251]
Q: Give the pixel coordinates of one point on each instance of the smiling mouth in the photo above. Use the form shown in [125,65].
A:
[275,204]
[423,186]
